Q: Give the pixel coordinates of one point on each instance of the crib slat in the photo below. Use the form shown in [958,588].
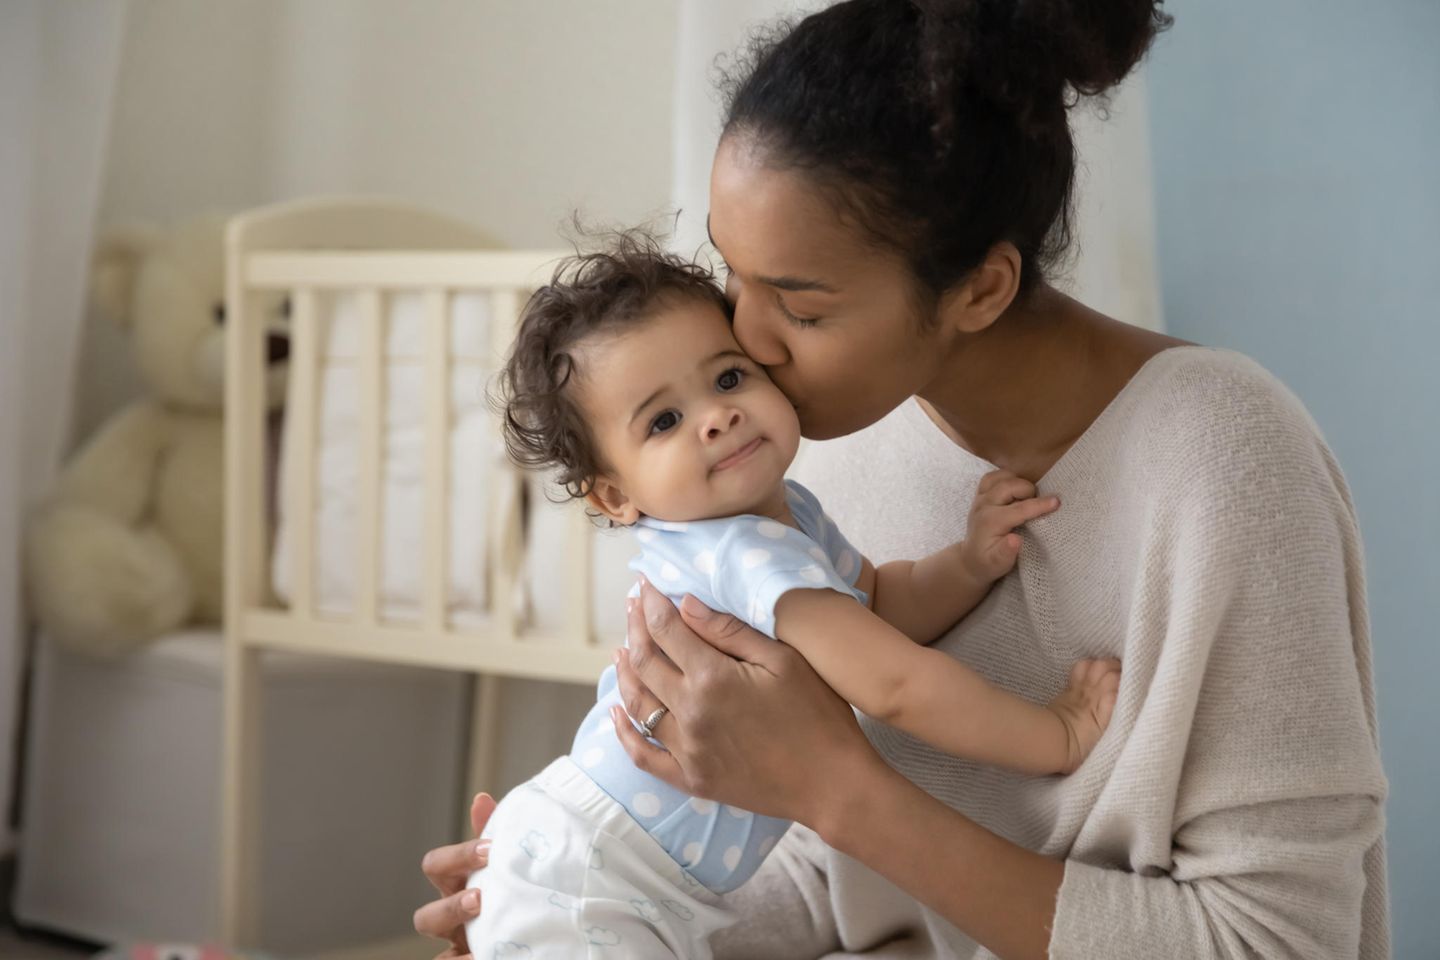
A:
[437,458]
[579,563]
[505,527]
[372,425]
[245,590]
[303,401]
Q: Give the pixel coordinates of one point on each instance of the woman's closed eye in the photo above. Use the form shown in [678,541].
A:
[801,322]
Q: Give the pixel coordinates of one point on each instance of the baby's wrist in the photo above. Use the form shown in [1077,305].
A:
[1066,743]
[969,567]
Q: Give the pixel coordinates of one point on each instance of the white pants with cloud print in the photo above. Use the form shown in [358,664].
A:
[572,875]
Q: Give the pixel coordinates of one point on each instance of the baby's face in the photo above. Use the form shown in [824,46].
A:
[687,426]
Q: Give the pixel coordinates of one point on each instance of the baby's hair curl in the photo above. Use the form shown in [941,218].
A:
[603,291]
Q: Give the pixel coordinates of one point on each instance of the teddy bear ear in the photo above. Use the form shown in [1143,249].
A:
[112,271]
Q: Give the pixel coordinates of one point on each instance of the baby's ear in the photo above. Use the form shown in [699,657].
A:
[606,496]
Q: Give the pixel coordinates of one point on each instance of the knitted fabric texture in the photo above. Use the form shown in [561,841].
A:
[1234,808]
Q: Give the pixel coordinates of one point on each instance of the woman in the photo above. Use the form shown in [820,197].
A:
[892,184]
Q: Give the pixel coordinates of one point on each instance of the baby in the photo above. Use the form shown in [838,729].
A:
[625,378]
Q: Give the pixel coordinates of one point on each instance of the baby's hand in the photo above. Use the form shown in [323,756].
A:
[1085,708]
[1002,503]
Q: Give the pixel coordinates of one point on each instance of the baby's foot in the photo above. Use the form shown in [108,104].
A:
[1085,707]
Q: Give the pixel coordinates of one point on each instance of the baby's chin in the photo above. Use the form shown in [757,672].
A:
[753,497]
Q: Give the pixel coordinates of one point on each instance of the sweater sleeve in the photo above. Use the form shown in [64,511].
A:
[1257,724]
[1279,879]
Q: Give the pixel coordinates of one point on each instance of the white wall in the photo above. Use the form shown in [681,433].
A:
[506,113]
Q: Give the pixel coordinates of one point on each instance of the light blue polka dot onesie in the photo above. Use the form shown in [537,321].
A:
[665,854]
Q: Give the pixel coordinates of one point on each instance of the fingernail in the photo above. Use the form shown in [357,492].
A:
[615,656]
[694,607]
[629,604]
[482,849]
[471,901]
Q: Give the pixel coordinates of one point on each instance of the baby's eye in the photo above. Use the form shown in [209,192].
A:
[730,379]
[664,421]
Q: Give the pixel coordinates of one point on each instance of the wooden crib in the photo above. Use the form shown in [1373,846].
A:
[373,251]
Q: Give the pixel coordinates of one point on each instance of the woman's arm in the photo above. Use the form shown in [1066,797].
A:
[752,725]
[787,731]
[1279,880]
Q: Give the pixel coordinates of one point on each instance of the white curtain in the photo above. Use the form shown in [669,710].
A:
[1114,271]
[57,72]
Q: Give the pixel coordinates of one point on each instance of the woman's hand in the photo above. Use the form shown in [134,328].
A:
[447,869]
[750,723]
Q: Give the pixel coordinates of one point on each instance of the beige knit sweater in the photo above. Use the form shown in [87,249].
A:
[1234,808]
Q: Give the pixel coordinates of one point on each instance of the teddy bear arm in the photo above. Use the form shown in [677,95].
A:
[114,472]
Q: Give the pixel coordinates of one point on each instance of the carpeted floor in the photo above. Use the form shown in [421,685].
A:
[15,945]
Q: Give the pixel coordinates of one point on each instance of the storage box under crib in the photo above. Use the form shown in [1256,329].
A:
[120,831]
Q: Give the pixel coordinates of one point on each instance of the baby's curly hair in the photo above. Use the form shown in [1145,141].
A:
[596,292]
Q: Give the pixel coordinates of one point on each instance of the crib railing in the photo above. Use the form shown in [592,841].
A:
[300,251]
[504,644]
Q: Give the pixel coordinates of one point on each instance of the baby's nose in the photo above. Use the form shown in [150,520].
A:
[722,421]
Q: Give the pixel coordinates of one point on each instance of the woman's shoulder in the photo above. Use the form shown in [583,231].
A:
[1205,382]
[1209,400]
[1214,420]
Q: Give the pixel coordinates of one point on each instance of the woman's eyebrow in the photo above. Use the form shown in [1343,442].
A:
[795,284]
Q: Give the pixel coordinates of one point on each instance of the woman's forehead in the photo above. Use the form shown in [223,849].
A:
[775,222]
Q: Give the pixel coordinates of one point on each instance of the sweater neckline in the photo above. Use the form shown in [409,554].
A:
[930,433]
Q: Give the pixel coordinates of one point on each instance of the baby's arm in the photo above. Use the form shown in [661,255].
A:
[923,598]
[931,696]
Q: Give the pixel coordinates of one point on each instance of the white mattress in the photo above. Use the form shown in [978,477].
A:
[474,446]
[610,578]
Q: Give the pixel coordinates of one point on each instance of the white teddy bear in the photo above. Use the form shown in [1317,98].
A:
[129,544]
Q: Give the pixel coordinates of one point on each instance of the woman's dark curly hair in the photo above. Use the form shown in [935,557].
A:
[603,291]
[940,125]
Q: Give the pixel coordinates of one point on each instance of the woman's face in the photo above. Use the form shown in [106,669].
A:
[832,318]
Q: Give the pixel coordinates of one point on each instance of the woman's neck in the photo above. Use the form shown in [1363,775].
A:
[1020,392]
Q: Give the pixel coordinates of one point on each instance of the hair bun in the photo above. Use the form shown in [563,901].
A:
[1032,58]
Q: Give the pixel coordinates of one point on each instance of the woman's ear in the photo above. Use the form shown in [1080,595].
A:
[606,496]
[986,293]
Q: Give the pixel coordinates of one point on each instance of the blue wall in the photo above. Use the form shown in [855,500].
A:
[1297,178]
